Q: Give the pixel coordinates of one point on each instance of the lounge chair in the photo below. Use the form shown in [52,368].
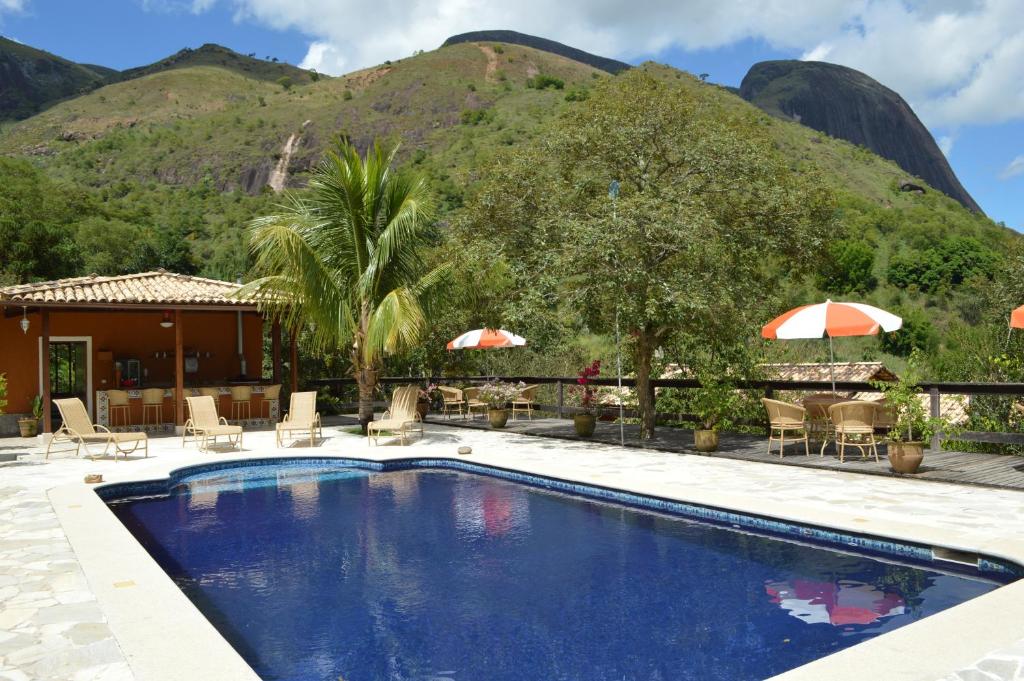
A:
[524,401]
[452,400]
[473,402]
[302,416]
[78,428]
[854,424]
[785,418]
[402,417]
[204,425]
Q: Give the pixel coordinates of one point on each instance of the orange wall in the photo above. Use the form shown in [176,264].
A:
[130,335]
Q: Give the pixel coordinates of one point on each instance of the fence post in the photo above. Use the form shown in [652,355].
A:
[936,412]
[561,398]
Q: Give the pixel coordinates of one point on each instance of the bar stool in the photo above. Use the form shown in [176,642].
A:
[215,394]
[153,401]
[117,401]
[241,402]
[272,393]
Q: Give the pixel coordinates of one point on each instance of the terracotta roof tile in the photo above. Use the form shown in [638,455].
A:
[146,288]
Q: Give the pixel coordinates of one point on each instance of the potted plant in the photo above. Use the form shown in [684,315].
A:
[912,427]
[496,395]
[29,425]
[584,395]
[712,403]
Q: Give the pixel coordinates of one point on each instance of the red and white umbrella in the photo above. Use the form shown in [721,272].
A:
[481,339]
[832,320]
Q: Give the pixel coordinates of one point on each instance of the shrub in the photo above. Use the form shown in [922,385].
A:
[542,81]
[476,116]
[471,87]
[3,392]
[498,49]
[285,82]
[577,95]
[347,95]
[850,268]
[313,75]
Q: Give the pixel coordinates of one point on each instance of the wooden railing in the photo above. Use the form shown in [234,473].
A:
[935,391]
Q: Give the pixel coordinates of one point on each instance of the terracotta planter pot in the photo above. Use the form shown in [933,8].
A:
[28,427]
[905,457]
[705,440]
[497,417]
[422,408]
[584,424]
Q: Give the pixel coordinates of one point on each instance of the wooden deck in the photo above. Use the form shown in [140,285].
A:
[986,470]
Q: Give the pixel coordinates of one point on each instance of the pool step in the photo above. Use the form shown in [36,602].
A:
[954,556]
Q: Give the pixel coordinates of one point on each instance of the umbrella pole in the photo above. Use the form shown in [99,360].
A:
[832,365]
[618,362]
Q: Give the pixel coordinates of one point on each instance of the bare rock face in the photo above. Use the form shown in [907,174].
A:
[847,104]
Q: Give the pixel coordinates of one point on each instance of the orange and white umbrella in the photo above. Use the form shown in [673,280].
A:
[481,339]
[1017,318]
[832,320]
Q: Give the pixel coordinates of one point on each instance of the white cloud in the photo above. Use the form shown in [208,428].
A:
[1013,168]
[955,61]
[12,5]
[946,144]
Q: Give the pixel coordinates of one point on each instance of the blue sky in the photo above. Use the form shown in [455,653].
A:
[960,64]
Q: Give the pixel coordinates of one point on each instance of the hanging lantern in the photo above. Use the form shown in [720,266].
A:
[167,322]
[24,320]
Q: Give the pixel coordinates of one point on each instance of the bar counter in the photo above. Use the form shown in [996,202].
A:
[258,412]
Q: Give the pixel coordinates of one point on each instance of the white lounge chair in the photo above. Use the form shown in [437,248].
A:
[204,425]
[78,428]
[402,417]
[302,417]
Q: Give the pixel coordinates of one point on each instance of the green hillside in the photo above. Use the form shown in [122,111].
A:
[181,158]
[268,69]
[31,79]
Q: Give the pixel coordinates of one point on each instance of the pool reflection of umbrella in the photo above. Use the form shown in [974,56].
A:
[840,604]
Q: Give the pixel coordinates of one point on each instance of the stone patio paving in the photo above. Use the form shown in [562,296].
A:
[52,626]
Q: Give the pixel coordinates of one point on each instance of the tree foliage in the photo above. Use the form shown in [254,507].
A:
[345,260]
[706,203]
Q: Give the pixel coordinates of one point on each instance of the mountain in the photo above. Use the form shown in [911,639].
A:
[211,54]
[31,79]
[847,104]
[515,38]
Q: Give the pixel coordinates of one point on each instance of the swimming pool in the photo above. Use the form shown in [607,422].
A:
[328,570]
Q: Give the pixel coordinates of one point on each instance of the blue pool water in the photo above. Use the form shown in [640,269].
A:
[328,573]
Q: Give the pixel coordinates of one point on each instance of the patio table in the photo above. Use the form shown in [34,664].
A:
[817,407]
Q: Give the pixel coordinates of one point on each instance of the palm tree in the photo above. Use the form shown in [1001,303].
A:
[343,261]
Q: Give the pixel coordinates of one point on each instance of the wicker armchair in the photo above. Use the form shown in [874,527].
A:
[854,423]
[785,418]
[453,400]
[473,402]
[524,401]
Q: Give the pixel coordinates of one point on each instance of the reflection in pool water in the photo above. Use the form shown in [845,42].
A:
[840,603]
[321,574]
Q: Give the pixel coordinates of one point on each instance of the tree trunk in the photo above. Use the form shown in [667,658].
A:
[645,341]
[367,380]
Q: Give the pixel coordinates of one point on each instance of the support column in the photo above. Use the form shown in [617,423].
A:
[275,350]
[47,417]
[295,361]
[179,369]
[935,411]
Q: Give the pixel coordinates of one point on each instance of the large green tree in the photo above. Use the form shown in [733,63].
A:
[343,260]
[707,215]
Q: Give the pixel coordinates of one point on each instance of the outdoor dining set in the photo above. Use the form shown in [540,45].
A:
[826,417]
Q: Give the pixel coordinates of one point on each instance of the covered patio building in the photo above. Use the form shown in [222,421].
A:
[90,335]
